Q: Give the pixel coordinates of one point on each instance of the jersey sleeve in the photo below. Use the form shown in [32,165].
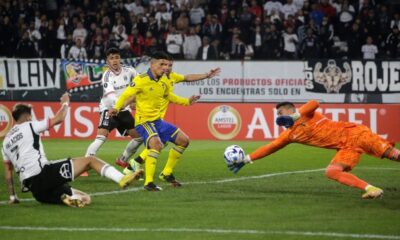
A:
[6,159]
[176,77]
[131,90]
[172,97]
[309,108]
[40,126]
[272,147]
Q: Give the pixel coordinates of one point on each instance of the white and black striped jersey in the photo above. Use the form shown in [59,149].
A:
[23,147]
[114,84]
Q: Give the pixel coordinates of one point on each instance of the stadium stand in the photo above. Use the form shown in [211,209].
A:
[234,29]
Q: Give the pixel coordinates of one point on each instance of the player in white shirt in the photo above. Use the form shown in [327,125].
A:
[114,81]
[369,49]
[48,180]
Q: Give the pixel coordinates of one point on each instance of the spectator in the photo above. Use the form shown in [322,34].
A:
[326,37]
[8,37]
[289,43]
[354,42]
[25,47]
[150,43]
[255,9]
[257,40]
[77,51]
[316,14]
[97,50]
[309,47]
[369,49]
[206,51]
[238,48]
[395,21]
[66,46]
[35,36]
[289,9]
[49,43]
[182,22]
[163,15]
[196,15]
[136,42]
[272,5]
[327,9]
[174,43]
[191,44]
[120,37]
[79,33]
[393,43]
[272,46]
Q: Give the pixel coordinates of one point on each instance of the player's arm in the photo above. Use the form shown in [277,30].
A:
[8,175]
[123,99]
[196,77]
[62,112]
[309,108]
[268,149]
[173,98]
[261,152]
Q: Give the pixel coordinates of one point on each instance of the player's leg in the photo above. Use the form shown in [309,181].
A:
[104,169]
[154,145]
[127,127]
[105,126]
[345,160]
[181,140]
[86,199]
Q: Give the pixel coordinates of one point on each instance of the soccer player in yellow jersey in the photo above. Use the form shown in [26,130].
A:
[149,89]
[174,154]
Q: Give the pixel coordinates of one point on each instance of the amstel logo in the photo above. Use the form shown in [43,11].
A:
[5,120]
[224,122]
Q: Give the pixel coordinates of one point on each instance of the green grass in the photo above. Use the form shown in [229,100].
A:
[285,206]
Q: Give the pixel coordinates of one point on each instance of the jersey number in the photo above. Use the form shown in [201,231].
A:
[15,149]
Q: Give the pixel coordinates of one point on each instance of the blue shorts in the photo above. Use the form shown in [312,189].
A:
[166,131]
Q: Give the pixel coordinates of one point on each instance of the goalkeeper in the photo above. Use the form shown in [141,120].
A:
[312,128]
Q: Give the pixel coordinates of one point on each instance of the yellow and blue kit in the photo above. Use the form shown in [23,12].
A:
[150,95]
[172,79]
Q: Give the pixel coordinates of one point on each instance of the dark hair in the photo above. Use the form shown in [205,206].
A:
[160,55]
[20,109]
[285,104]
[112,50]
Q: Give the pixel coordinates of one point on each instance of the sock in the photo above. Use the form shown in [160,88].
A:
[110,172]
[142,156]
[131,148]
[394,154]
[336,172]
[95,145]
[174,154]
[150,166]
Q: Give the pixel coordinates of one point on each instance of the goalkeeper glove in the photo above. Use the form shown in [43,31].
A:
[288,120]
[236,166]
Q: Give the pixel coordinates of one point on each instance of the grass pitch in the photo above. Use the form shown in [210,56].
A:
[284,196]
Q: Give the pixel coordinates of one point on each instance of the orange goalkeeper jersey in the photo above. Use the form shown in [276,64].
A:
[314,129]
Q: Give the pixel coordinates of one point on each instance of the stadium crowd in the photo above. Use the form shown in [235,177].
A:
[201,29]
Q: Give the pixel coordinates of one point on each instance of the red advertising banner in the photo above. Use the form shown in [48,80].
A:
[218,121]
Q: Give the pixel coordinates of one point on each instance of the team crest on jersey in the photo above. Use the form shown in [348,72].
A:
[132,84]
[105,85]
[65,171]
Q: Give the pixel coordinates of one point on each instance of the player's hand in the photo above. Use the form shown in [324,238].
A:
[112,112]
[213,72]
[286,121]
[235,167]
[193,99]
[13,199]
[65,98]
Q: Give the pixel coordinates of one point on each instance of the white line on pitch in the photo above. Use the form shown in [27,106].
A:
[204,230]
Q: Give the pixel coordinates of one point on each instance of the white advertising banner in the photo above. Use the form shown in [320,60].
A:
[29,74]
[265,82]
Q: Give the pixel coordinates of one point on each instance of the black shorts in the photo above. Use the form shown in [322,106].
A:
[51,182]
[122,122]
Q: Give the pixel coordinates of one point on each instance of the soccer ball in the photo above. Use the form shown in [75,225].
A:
[233,154]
